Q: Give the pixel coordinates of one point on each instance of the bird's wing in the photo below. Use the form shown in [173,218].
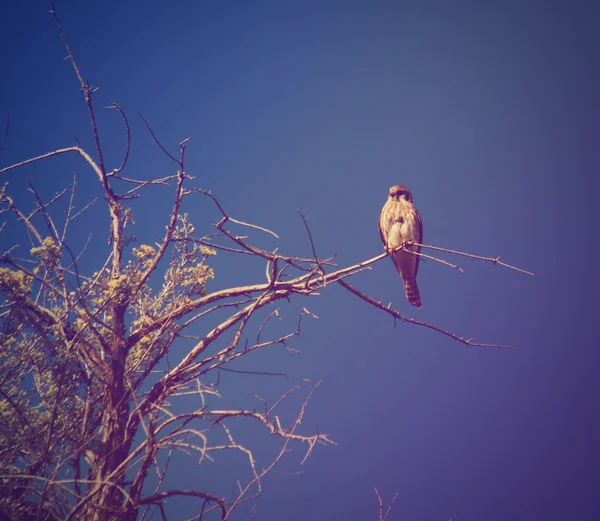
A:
[419,240]
[381,231]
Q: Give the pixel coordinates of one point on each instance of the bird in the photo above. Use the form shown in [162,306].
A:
[399,223]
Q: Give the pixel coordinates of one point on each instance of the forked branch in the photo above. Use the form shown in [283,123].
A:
[384,515]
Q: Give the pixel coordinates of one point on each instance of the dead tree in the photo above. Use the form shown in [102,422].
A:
[86,386]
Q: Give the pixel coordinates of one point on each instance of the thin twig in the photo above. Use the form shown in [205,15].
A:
[495,260]
[261,373]
[128,147]
[160,145]
[88,91]
[397,315]
[228,218]
[404,247]
[312,246]
[161,496]
[384,515]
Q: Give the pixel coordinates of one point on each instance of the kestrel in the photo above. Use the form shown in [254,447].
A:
[400,222]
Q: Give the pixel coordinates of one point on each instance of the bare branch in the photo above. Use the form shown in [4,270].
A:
[57,152]
[20,215]
[170,229]
[111,198]
[160,145]
[133,193]
[397,315]
[41,207]
[226,217]
[288,435]
[495,260]
[384,515]
[87,91]
[404,247]
[128,147]
[261,373]
[275,426]
[156,498]
[312,246]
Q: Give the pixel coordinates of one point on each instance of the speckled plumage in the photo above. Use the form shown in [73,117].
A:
[400,222]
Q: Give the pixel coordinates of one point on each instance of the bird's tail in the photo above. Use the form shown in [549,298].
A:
[412,292]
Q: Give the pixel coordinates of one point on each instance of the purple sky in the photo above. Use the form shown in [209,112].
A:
[489,114]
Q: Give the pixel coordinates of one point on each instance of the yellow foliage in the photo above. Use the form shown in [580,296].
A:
[14,282]
[48,252]
[144,251]
[205,250]
[193,278]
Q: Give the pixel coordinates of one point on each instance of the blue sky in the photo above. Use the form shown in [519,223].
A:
[488,112]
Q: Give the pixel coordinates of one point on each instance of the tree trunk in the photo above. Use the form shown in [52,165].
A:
[108,502]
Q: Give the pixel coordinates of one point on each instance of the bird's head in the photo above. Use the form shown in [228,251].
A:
[400,192]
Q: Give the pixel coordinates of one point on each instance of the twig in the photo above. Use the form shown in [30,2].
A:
[288,435]
[228,218]
[128,147]
[403,247]
[161,496]
[256,227]
[495,260]
[170,228]
[397,315]
[38,158]
[88,91]
[262,373]
[384,515]
[160,145]
[275,312]
[312,246]
[41,207]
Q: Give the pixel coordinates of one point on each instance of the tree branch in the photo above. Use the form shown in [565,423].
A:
[495,260]
[397,315]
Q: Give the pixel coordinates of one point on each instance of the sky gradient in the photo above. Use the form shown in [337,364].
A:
[488,111]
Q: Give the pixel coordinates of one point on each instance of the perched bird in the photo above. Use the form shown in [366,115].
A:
[400,222]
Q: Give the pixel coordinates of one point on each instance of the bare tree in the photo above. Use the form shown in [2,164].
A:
[87,386]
